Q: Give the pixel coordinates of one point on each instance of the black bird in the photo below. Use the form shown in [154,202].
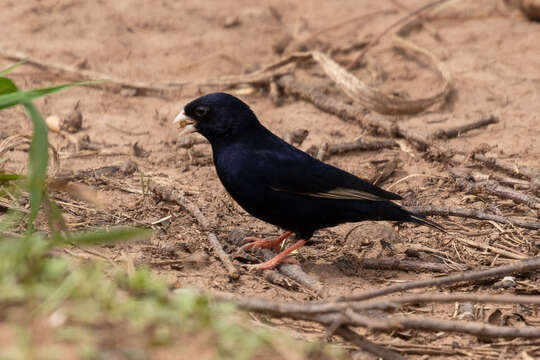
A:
[280,184]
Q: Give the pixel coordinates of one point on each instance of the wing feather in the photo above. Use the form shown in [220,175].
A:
[342,193]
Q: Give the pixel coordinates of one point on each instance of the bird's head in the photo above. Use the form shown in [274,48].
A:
[216,115]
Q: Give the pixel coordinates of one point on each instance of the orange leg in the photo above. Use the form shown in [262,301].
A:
[265,244]
[281,256]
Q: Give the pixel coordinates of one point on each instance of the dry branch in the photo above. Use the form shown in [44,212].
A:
[353,263]
[427,324]
[493,249]
[518,183]
[338,316]
[473,214]
[375,123]
[90,173]
[507,168]
[359,144]
[277,278]
[79,74]
[387,304]
[263,76]
[172,195]
[295,272]
[523,266]
[353,337]
[459,130]
[492,187]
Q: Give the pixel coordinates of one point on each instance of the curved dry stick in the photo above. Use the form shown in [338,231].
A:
[175,196]
[376,100]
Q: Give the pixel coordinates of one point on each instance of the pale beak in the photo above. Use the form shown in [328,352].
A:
[187,123]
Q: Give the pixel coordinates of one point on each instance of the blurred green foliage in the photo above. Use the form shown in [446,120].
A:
[88,304]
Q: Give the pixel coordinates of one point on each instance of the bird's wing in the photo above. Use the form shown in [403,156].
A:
[291,170]
[344,193]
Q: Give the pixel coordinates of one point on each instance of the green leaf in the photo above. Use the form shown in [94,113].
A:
[11,67]
[55,217]
[9,177]
[38,156]
[105,236]
[7,86]
[22,97]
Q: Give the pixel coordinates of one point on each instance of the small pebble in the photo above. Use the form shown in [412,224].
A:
[231,21]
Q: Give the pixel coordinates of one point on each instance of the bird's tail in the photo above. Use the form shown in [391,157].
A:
[419,219]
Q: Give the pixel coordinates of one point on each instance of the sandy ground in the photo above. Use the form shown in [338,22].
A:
[491,51]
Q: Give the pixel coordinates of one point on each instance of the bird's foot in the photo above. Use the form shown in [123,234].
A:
[282,257]
[273,244]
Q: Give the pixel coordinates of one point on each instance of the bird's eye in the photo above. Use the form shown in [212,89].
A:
[201,111]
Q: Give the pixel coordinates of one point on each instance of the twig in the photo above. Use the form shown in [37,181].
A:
[459,130]
[131,133]
[262,76]
[277,278]
[354,262]
[378,124]
[172,195]
[353,337]
[493,249]
[423,323]
[89,173]
[296,273]
[387,304]
[524,184]
[167,262]
[373,122]
[492,187]
[359,144]
[423,298]
[523,266]
[346,314]
[468,173]
[383,174]
[507,168]
[473,214]
[76,73]
[95,154]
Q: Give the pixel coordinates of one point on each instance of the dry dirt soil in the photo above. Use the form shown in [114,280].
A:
[491,50]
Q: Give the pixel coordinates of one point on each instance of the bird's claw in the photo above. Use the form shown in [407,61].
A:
[251,268]
[259,243]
